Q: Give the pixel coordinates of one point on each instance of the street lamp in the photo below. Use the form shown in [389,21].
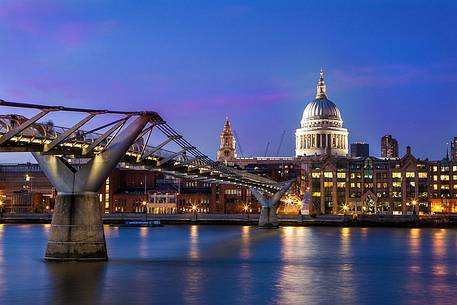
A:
[245,208]
[345,208]
[414,203]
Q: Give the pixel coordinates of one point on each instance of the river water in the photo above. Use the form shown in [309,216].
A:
[237,265]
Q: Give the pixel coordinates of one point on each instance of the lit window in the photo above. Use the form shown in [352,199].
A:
[454,177]
[454,168]
[444,177]
[422,175]
[328,184]
[435,178]
[328,174]
[316,194]
[341,175]
[445,186]
[352,184]
[455,186]
[396,184]
[412,183]
[396,175]
[435,187]
[316,175]
[352,175]
[445,168]
[410,174]
[435,168]
[341,184]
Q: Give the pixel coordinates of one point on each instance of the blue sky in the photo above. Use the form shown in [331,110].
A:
[390,66]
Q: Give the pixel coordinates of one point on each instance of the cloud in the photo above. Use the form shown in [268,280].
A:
[393,75]
[51,20]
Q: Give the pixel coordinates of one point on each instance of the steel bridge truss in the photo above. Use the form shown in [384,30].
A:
[76,145]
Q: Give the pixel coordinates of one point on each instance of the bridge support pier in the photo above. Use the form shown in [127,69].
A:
[268,216]
[77,228]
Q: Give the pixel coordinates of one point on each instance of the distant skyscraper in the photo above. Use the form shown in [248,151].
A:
[454,149]
[227,148]
[360,149]
[389,147]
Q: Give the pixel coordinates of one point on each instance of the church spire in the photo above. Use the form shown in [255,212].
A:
[227,125]
[227,148]
[321,88]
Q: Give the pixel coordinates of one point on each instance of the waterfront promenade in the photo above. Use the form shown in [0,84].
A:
[252,219]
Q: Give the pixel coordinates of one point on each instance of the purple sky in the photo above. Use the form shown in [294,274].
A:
[390,66]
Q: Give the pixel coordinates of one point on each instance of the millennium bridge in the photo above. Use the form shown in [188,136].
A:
[78,159]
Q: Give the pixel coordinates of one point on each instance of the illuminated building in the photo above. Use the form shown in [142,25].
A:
[321,127]
[24,189]
[454,149]
[389,147]
[383,186]
[227,149]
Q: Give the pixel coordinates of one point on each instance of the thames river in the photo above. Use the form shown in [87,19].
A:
[237,265]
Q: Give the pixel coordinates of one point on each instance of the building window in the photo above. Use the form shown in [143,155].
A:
[396,184]
[328,175]
[328,184]
[316,175]
[341,184]
[316,194]
[410,174]
[396,175]
[435,187]
[444,177]
[422,175]
[341,175]
[107,193]
[435,178]
[435,168]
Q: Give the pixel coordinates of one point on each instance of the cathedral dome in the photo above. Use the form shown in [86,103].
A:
[321,129]
[321,108]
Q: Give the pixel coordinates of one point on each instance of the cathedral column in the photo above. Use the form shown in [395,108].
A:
[334,194]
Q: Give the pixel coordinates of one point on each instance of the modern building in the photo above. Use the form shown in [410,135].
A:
[454,149]
[227,148]
[389,147]
[360,149]
[321,127]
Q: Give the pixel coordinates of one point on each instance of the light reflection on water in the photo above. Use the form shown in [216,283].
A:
[236,265]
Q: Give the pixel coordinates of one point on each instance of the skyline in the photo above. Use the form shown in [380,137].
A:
[195,65]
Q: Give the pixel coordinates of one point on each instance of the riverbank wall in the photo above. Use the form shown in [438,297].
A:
[439,221]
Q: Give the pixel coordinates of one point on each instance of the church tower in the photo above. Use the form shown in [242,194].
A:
[227,149]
